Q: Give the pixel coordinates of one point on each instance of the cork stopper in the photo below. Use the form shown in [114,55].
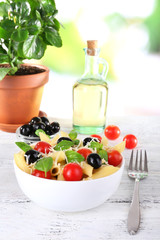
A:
[92,45]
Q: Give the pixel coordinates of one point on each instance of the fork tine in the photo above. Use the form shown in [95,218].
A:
[131,162]
[140,163]
[145,162]
[136,163]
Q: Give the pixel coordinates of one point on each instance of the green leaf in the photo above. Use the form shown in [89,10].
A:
[4,8]
[44,164]
[53,37]
[24,146]
[73,156]
[25,9]
[34,47]
[103,154]
[3,72]
[4,34]
[4,58]
[34,27]
[40,130]
[76,141]
[63,145]
[2,50]
[20,35]
[96,145]
[8,25]
[73,134]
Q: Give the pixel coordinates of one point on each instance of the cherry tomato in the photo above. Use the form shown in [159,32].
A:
[84,152]
[41,174]
[97,136]
[131,141]
[112,132]
[72,172]
[114,158]
[43,147]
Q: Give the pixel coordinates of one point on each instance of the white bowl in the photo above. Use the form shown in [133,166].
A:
[68,196]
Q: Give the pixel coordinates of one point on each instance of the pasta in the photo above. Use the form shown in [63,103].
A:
[59,159]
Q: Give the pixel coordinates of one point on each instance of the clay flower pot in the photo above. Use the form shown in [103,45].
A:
[20,97]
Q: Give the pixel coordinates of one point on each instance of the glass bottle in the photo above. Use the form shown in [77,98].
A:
[90,94]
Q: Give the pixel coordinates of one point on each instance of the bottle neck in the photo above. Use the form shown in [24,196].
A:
[91,63]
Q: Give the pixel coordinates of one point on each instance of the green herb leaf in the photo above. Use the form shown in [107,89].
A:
[73,156]
[96,145]
[24,146]
[20,35]
[63,145]
[53,37]
[76,141]
[4,8]
[40,130]
[34,47]
[103,154]
[3,72]
[4,58]
[73,134]
[4,34]
[44,164]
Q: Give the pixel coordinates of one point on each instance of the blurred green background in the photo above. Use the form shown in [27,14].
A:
[111,24]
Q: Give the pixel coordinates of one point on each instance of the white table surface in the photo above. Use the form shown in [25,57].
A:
[21,219]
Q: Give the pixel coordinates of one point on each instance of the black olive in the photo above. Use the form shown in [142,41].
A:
[35,120]
[32,156]
[26,130]
[63,138]
[94,160]
[48,130]
[38,125]
[55,127]
[89,139]
[45,120]
[33,135]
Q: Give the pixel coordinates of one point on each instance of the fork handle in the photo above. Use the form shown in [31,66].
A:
[133,221]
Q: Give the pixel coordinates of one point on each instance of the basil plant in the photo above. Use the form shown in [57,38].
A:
[26,28]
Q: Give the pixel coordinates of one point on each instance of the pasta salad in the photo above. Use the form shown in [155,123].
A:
[68,158]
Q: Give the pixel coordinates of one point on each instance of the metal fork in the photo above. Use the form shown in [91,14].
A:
[138,174]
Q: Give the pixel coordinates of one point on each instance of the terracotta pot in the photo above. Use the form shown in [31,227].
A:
[20,96]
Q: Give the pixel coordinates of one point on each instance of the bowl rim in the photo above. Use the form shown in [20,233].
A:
[71,182]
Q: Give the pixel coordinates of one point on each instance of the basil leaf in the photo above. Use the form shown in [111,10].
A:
[96,145]
[63,145]
[3,72]
[20,35]
[53,37]
[4,58]
[103,154]
[40,130]
[4,34]
[24,146]
[44,164]
[34,47]
[73,156]
[4,8]
[76,141]
[73,134]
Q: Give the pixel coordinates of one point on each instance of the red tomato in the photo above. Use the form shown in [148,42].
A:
[114,158]
[131,141]
[72,172]
[84,152]
[97,136]
[112,132]
[43,147]
[41,174]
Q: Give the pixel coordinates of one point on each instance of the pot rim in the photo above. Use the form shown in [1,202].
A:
[27,64]
[25,81]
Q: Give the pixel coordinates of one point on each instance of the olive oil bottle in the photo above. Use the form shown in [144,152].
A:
[90,94]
